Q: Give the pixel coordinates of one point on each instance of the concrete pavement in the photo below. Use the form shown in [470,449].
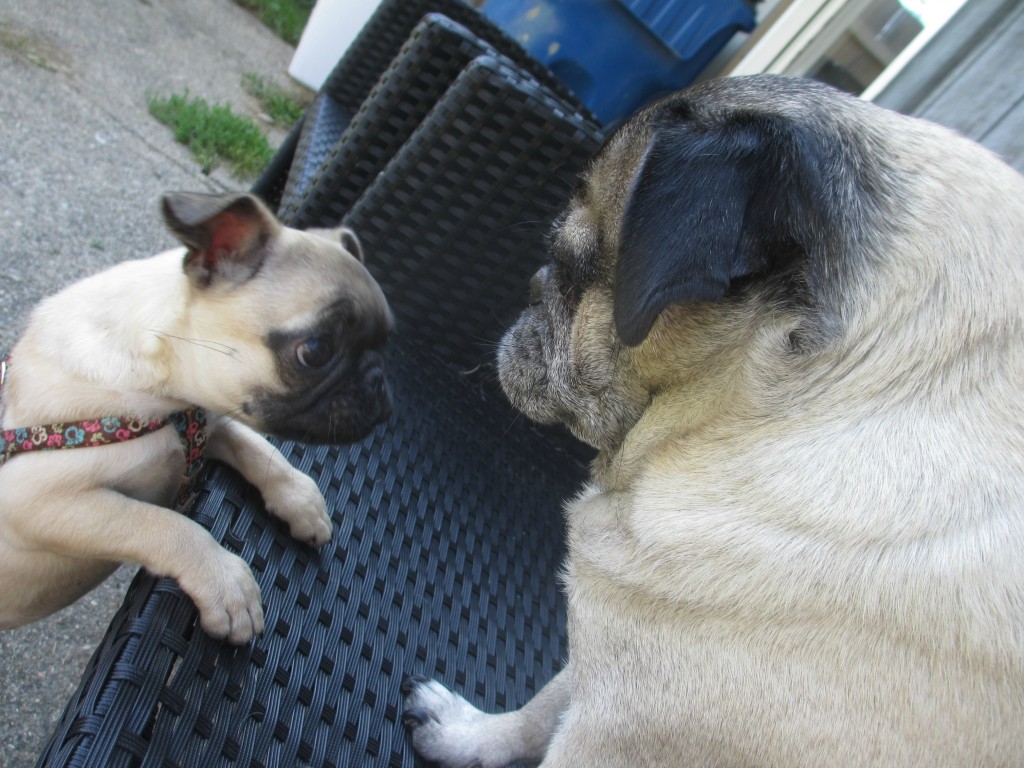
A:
[82,166]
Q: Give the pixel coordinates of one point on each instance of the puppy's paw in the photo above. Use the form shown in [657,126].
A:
[445,728]
[300,504]
[228,599]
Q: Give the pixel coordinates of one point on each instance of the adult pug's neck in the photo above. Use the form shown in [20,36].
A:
[675,419]
[617,469]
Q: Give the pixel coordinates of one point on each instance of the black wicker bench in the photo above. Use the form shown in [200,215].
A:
[448,152]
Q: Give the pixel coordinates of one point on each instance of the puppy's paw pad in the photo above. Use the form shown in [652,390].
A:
[443,726]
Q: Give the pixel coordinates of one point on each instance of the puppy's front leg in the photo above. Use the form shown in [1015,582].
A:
[103,525]
[447,729]
[288,493]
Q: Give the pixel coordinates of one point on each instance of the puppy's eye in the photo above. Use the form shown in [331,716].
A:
[314,352]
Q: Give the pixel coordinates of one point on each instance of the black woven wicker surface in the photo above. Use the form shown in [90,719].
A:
[428,64]
[426,73]
[447,542]
[324,121]
[388,29]
[271,183]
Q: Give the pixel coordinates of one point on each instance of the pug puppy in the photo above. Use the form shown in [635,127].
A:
[792,323]
[265,327]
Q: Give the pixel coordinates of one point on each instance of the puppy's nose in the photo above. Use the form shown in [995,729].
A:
[371,368]
[537,286]
[371,365]
[374,385]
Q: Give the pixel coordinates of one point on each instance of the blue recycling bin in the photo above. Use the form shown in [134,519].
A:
[617,55]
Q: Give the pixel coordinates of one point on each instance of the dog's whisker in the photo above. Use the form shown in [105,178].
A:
[227,417]
[213,346]
[515,420]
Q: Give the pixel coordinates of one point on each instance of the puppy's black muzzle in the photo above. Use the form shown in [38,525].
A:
[342,407]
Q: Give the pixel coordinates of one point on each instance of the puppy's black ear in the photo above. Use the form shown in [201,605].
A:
[226,235]
[683,235]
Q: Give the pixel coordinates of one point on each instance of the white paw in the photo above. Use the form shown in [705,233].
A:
[300,504]
[228,598]
[444,727]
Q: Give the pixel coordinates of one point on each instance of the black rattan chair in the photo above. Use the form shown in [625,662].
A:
[348,87]
[436,53]
[448,527]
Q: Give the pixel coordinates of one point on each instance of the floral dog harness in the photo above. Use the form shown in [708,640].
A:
[190,424]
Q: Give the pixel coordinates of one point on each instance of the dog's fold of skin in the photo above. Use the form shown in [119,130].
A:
[793,325]
[243,321]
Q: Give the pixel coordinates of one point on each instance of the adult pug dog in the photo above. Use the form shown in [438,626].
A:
[793,325]
[264,326]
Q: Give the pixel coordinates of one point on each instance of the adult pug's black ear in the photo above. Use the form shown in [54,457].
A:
[226,235]
[683,236]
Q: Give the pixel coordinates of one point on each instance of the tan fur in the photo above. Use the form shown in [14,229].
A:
[142,339]
[799,557]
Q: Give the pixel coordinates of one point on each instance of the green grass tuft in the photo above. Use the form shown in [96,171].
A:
[279,105]
[214,134]
[287,18]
